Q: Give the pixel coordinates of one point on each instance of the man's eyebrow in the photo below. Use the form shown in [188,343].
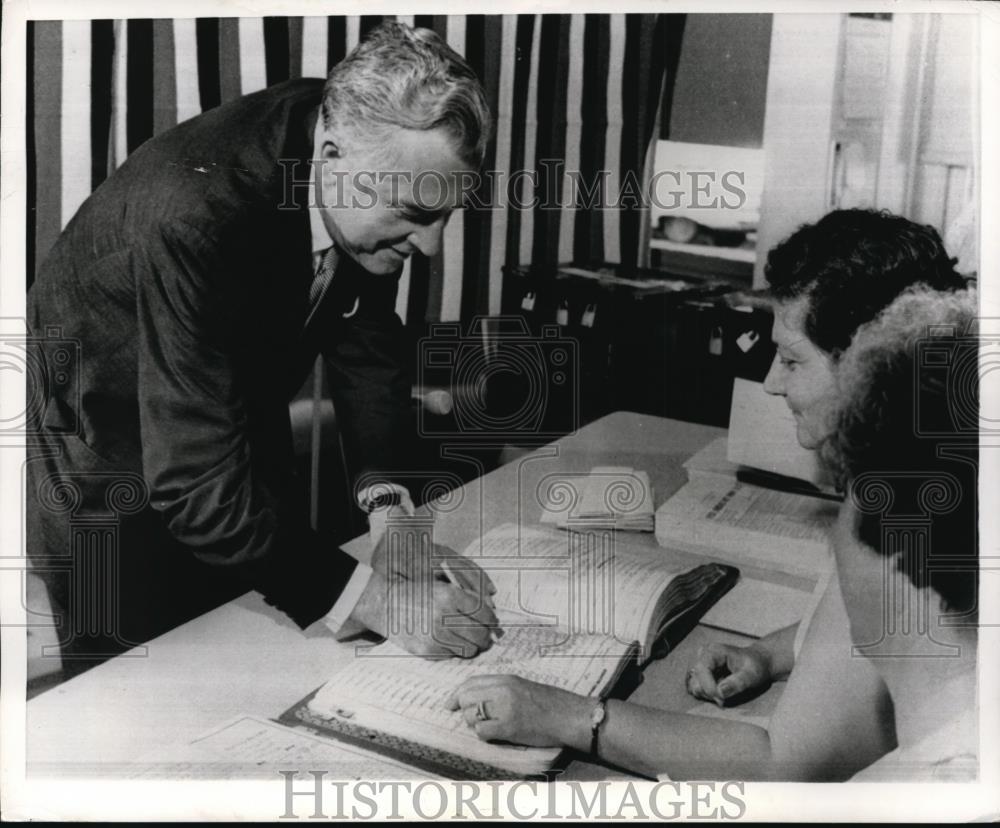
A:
[426,213]
[407,204]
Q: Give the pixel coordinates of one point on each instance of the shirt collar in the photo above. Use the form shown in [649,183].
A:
[321,238]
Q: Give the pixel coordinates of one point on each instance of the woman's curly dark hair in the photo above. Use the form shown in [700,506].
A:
[908,409]
[851,264]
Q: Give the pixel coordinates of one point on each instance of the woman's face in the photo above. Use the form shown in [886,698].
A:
[802,374]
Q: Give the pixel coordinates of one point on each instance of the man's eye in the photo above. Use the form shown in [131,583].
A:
[787,363]
[416,216]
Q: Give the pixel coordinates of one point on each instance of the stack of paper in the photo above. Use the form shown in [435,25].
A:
[609,497]
[712,461]
[745,524]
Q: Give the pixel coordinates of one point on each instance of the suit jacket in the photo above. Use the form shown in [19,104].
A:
[183,284]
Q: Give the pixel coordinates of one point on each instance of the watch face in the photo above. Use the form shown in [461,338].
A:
[598,715]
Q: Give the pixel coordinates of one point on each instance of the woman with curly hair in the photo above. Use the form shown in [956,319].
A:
[907,541]
[835,714]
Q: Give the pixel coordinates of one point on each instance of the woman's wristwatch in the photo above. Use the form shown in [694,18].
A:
[597,717]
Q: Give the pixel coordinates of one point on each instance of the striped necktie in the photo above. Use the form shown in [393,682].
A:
[321,281]
[324,275]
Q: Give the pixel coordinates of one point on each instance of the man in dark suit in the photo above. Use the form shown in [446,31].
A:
[192,292]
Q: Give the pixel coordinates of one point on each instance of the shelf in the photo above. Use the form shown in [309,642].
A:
[733,254]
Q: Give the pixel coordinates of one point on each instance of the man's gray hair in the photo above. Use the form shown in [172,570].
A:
[399,77]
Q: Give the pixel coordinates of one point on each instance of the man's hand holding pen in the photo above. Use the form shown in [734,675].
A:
[425,597]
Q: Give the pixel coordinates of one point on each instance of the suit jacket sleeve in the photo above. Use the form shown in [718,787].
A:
[369,380]
[202,458]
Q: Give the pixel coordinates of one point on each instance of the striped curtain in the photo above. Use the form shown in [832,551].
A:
[588,92]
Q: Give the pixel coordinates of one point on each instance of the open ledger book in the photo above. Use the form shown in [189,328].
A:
[577,611]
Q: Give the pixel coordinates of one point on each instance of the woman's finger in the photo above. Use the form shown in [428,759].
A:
[693,686]
[702,673]
[489,730]
[736,683]
[473,690]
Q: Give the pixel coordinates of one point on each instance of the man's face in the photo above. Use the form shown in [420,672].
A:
[382,203]
[802,374]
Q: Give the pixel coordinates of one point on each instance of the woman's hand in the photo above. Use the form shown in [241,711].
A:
[722,672]
[523,712]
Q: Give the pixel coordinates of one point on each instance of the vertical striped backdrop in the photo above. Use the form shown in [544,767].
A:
[590,91]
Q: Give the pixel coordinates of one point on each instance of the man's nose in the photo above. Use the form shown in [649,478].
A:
[427,239]
[774,382]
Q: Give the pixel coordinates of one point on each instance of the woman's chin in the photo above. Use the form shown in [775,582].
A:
[806,438]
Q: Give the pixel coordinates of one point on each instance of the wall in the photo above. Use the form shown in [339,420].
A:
[581,89]
[801,95]
[721,85]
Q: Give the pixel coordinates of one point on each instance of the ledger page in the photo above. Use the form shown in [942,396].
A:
[390,690]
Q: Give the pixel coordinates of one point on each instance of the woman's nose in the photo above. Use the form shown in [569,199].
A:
[774,382]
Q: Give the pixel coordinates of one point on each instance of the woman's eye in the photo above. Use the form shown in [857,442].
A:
[787,363]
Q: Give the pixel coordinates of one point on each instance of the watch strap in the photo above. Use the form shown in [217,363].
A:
[597,718]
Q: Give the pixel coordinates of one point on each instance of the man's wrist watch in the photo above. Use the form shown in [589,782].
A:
[597,717]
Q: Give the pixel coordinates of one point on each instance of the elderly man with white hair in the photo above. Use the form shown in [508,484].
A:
[196,287]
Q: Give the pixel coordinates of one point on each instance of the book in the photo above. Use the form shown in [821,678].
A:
[251,747]
[711,461]
[762,435]
[755,497]
[609,497]
[580,611]
[741,523]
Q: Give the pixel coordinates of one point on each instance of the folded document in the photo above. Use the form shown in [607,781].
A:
[609,497]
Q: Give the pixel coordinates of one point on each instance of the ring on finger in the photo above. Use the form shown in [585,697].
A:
[481,714]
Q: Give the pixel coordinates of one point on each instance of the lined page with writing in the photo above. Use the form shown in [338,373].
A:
[590,583]
[252,747]
[393,691]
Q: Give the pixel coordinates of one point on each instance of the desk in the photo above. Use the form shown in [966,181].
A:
[247,658]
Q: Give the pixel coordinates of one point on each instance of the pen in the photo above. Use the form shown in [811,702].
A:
[450,575]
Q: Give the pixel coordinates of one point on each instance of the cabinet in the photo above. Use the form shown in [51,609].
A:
[642,345]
